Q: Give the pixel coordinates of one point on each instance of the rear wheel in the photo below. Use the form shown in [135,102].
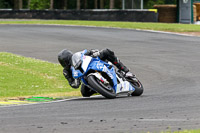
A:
[105,90]
[136,84]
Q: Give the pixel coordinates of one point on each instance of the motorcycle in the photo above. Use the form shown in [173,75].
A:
[103,78]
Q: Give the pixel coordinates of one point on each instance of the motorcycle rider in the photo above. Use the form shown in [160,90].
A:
[65,59]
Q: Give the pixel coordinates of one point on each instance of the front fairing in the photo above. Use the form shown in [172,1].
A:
[77,60]
[89,63]
[101,66]
[76,73]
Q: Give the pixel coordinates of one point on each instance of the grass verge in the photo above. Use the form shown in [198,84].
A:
[128,25]
[22,76]
[184,131]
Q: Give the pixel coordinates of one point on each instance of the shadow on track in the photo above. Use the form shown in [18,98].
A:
[99,98]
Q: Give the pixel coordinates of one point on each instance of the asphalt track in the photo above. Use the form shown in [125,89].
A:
[167,65]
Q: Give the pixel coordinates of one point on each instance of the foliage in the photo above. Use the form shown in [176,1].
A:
[148,4]
[4,4]
[71,4]
[170,1]
[39,4]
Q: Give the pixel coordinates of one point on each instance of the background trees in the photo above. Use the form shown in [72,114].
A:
[75,4]
[18,4]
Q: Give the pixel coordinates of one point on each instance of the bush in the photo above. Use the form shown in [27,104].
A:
[5,4]
[58,4]
[39,4]
[148,4]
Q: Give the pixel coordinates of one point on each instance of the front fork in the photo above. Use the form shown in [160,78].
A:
[100,77]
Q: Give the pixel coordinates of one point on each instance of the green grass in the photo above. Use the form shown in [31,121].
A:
[188,131]
[22,76]
[129,25]
[184,131]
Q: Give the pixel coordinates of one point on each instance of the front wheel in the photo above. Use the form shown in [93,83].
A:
[105,90]
[86,92]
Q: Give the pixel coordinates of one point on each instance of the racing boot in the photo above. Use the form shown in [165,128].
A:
[121,66]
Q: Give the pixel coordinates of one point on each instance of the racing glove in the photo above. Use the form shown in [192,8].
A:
[74,83]
[95,53]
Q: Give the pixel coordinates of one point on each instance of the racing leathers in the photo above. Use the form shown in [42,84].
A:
[65,59]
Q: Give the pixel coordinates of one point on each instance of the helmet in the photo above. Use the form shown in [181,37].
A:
[64,58]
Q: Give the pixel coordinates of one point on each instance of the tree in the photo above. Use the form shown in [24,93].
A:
[18,4]
[101,4]
[39,4]
[78,4]
[65,5]
[95,4]
[112,4]
[85,4]
[51,4]
[29,2]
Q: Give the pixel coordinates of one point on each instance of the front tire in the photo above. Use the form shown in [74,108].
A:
[86,92]
[101,88]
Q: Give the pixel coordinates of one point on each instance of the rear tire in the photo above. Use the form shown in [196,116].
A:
[101,88]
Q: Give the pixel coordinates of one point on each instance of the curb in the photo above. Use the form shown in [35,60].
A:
[30,100]
[14,102]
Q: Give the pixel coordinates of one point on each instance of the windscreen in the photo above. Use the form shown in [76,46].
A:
[76,59]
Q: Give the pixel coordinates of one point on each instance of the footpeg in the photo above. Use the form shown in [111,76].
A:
[129,93]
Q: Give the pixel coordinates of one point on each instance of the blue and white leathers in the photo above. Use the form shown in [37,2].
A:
[89,63]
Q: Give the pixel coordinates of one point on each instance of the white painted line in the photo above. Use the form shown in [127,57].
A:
[165,120]
[165,32]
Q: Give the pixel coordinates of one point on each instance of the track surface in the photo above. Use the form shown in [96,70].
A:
[167,65]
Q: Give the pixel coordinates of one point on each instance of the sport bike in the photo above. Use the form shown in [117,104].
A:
[103,78]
